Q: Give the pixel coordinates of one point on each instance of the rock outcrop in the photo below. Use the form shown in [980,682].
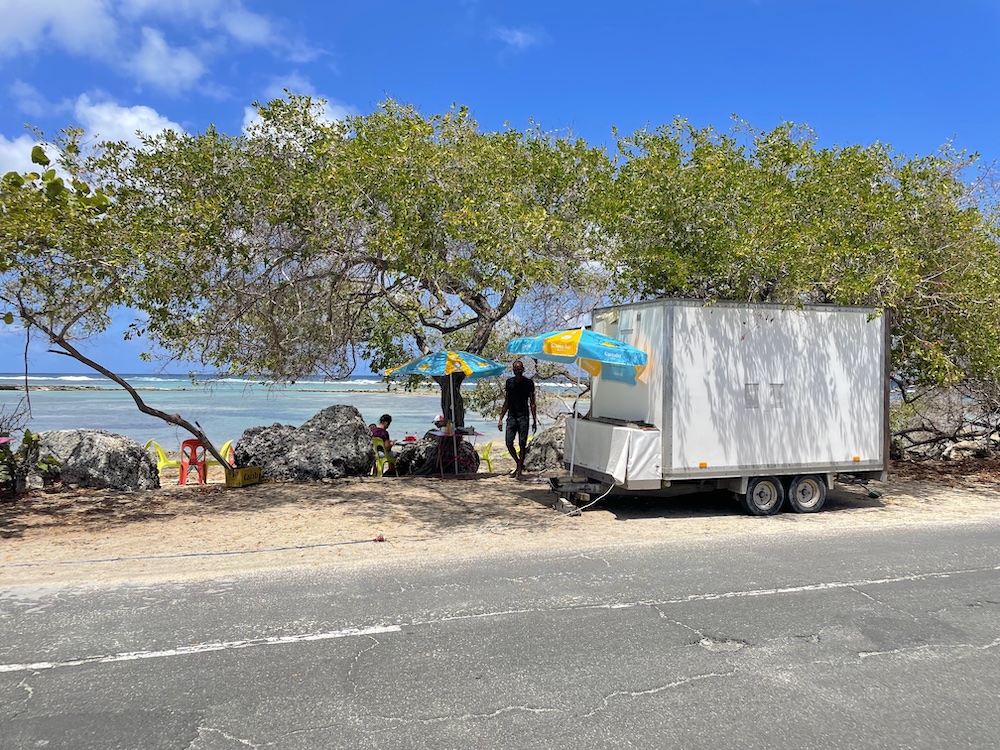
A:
[421,458]
[333,444]
[545,451]
[99,459]
[965,449]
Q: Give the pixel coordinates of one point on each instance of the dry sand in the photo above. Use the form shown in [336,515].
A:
[83,537]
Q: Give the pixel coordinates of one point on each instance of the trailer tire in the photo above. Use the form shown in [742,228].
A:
[807,494]
[764,496]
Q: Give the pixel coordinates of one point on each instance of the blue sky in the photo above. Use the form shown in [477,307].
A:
[913,73]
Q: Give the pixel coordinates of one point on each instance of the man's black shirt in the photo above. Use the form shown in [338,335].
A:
[518,396]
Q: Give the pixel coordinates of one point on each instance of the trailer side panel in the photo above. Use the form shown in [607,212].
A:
[740,390]
[755,387]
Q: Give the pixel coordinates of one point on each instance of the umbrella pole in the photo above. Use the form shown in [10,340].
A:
[572,450]
[454,437]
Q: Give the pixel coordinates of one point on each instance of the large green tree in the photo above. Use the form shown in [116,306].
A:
[771,216]
[64,261]
[305,245]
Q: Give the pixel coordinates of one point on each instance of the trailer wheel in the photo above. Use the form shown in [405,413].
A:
[806,494]
[764,497]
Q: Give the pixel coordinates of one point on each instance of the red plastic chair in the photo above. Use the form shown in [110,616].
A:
[193,453]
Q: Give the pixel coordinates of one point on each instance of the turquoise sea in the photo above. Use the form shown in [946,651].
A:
[224,408]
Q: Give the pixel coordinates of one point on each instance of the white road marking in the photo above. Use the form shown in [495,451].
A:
[201,648]
[747,593]
[377,629]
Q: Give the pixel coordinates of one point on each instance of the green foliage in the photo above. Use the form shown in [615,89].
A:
[464,223]
[15,465]
[770,216]
[67,259]
[38,156]
[60,263]
[307,244]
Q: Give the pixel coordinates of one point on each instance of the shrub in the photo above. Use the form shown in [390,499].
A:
[15,465]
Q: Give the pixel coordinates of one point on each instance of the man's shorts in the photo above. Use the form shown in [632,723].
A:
[517,426]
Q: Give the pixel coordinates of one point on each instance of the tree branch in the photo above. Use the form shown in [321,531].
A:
[69,350]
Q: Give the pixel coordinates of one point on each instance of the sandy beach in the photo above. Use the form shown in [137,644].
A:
[88,537]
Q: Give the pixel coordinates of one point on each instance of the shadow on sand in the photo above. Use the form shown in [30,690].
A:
[430,503]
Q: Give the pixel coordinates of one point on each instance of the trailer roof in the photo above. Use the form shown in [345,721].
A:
[683,302]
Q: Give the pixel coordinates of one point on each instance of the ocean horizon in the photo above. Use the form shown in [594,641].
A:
[224,407]
[173,381]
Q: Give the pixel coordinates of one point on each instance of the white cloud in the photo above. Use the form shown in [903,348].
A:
[99,116]
[87,28]
[186,9]
[337,111]
[82,27]
[108,121]
[30,101]
[250,119]
[519,39]
[131,35]
[169,68]
[206,13]
[228,15]
[15,155]
[103,120]
[293,82]
[247,27]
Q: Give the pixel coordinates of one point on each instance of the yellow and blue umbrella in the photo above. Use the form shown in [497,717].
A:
[596,353]
[449,362]
[443,364]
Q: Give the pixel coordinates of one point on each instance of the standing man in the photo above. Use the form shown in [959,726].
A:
[519,394]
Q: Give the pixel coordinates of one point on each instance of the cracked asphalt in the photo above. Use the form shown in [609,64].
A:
[861,638]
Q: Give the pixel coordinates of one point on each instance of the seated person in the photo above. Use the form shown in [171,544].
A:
[381,430]
[439,423]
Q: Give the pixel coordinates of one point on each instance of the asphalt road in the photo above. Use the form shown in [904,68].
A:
[848,640]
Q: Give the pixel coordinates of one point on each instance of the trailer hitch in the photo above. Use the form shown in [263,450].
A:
[573,494]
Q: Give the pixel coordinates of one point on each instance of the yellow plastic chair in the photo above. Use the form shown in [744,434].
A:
[384,460]
[228,453]
[162,462]
[485,456]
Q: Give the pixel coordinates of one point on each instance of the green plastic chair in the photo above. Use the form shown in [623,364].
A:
[485,456]
[384,460]
[162,462]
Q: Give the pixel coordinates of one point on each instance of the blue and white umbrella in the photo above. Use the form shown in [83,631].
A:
[596,353]
[600,355]
[449,362]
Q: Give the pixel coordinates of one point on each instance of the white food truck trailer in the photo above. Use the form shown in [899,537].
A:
[769,402]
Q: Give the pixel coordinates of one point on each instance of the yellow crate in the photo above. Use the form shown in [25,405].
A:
[243,476]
